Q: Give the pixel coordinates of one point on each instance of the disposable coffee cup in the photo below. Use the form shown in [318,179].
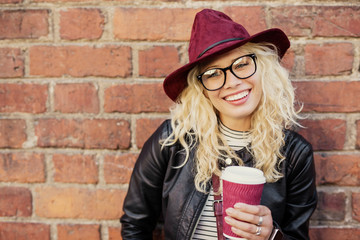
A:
[240,184]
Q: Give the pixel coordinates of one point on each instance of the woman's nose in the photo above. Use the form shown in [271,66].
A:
[231,80]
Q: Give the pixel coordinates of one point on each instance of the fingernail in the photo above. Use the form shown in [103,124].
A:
[227,219]
[238,205]
[229,210]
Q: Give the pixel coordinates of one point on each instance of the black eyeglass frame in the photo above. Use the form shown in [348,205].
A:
[252,55]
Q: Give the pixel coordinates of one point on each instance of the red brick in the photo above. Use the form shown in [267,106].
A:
[24,231]
[158,61]
[75,168]
[294,21]
[76,97]
[80,203]
[338,21]
[358,134]
[251,17]
[12,133]
[81,23]
[327,233]
[145,128]
[329,59]
[11,1]
[78,231]
[11,63]
[80,61]
[65,1]
[337,169]
[142,24]
[30,98]
[288,61]
[118,169]
[317,20]
[356,206]
[23,24]
[331,207]
[79,133]
[325,134]
[15,201]
[114,233]
[136,98]
[26,167]
[329,100]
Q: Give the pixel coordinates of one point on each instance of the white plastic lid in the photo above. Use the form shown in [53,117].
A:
[244,175]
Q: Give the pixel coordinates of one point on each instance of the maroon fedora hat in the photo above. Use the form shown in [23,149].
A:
[212,34]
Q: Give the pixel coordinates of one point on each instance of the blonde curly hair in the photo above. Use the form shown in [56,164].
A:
[195,121]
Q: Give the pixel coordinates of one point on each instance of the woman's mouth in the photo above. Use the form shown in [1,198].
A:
[238,96]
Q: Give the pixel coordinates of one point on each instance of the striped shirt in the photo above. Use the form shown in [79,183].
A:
[206,227]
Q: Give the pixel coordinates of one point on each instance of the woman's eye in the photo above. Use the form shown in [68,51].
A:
[242,62]
[240,65]
[211,73]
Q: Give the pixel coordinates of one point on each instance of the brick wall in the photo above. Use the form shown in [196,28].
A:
[81,90]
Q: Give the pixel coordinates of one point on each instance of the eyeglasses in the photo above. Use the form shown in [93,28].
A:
[242,68]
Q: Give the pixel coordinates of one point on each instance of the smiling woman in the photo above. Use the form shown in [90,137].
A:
[234,105]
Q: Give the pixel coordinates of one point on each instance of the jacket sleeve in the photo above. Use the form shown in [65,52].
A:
[142,204]
[301,191]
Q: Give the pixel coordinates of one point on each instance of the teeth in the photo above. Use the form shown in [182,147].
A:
[237,96]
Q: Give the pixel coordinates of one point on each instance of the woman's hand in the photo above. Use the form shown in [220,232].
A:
[253,222]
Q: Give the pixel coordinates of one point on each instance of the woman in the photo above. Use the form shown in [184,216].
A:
[234,106]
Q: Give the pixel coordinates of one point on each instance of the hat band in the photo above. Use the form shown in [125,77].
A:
[218,43]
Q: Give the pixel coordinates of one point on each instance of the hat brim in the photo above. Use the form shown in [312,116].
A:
[175,82]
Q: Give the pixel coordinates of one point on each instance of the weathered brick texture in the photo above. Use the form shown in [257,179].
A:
[24,167]
[25,24]
[81,91]
[15,201]
[324,96]
[118,169]
[82,203]
[79,133]
[29,98]
[77,231]
[75,168]
[338,169]
[153,24]
[247,16]
[76,98]
[24,231]
[11,63]
[317,20]
[144,129]
[331,206]
[12,133]
[136,98]
[329,59]
[325,134]
[80,61]
[334,233]
[158,61]
[81,24]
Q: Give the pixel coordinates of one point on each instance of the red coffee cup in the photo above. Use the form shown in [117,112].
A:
[240,184]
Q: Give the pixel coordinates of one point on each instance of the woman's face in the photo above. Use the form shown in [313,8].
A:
[237,100]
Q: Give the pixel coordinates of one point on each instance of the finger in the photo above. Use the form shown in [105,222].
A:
[246,235]
[259,210]
[247,230]
[242,216]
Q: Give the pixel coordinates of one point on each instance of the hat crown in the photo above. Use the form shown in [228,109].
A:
[211,28]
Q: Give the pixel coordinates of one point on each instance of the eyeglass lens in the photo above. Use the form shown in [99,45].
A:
[242,67]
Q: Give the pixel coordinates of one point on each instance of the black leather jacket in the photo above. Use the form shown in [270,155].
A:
[157,187]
